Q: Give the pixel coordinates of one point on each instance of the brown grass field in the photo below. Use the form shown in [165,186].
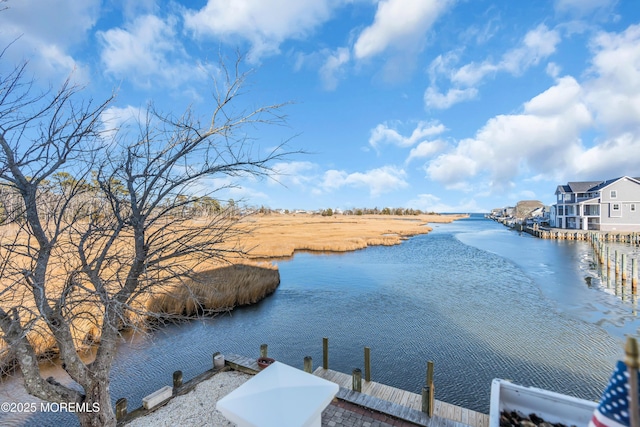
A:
[277,236]
[252,277]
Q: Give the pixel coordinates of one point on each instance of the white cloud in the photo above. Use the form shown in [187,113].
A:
[398,24]
[148,52]
[582,7]
[556,99]
[45,32]
[383,134]
[296,173]
[114,118]
[377,181]
[434,99]
[333,68]
[537,45]
[263,23]
[453,168]
[614,93]
[610,159]
[544,138]
[426,149]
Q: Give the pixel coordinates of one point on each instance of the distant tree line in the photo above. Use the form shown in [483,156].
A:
[377,211]
[91,197]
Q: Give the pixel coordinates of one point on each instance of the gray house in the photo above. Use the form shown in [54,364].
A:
[612,205]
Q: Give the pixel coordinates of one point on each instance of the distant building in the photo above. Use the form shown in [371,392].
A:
[611,205]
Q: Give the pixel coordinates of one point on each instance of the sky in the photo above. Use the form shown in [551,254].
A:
[438,105]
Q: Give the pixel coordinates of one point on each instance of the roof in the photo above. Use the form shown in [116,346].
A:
[583,186]
[589,186]
[611,181]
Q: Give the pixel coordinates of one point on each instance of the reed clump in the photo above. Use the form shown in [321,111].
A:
[216,290]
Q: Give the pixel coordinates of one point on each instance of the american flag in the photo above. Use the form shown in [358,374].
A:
[613,410]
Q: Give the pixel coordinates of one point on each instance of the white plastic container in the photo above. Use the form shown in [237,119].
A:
[548,405]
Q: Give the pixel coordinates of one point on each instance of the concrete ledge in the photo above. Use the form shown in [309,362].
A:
[157,397]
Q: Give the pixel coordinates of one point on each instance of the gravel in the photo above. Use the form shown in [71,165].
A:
[198,407]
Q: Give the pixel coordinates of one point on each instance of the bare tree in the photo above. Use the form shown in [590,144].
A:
[104,222]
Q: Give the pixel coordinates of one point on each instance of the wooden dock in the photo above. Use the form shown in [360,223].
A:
[405,399]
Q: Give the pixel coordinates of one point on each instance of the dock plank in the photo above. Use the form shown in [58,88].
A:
[445,414]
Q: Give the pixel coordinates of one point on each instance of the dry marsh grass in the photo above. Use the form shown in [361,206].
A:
[248,279]
[278,236]
[220,289]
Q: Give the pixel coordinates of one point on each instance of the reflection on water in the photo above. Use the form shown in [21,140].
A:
[479,300]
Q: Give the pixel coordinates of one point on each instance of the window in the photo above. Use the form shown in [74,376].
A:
[614,194]
[615,210]
[632,207]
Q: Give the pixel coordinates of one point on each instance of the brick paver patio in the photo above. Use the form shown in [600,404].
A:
[344,414]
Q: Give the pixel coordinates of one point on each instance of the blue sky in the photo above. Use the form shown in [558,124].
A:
[439,105]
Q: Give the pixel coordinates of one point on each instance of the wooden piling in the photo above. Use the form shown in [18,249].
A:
[325,353]
[608,259]
[634,274]
[617,263]
[264,350]
[308,364]
[623,267]
[428,392]
[177,381]
[357,380]
[367,364]
[631,360]
[121,408]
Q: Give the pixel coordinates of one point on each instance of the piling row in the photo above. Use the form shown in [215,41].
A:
[428,390]
[632,238]
[619,261]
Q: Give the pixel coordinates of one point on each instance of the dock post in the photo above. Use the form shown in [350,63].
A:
[177,381]
[429,392]
[367,364]
[325,353]
[623,267]
[608,260]
[631,360]
[634,274]
[601,253]
[357,380]
[617,263]
[264,350]
[121,408]
[308,364]
[427,405]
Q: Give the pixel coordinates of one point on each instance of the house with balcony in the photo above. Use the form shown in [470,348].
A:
[612,205]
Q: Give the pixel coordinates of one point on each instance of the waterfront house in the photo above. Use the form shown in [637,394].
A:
[612,205]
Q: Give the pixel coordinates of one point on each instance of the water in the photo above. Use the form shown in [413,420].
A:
[479,300]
